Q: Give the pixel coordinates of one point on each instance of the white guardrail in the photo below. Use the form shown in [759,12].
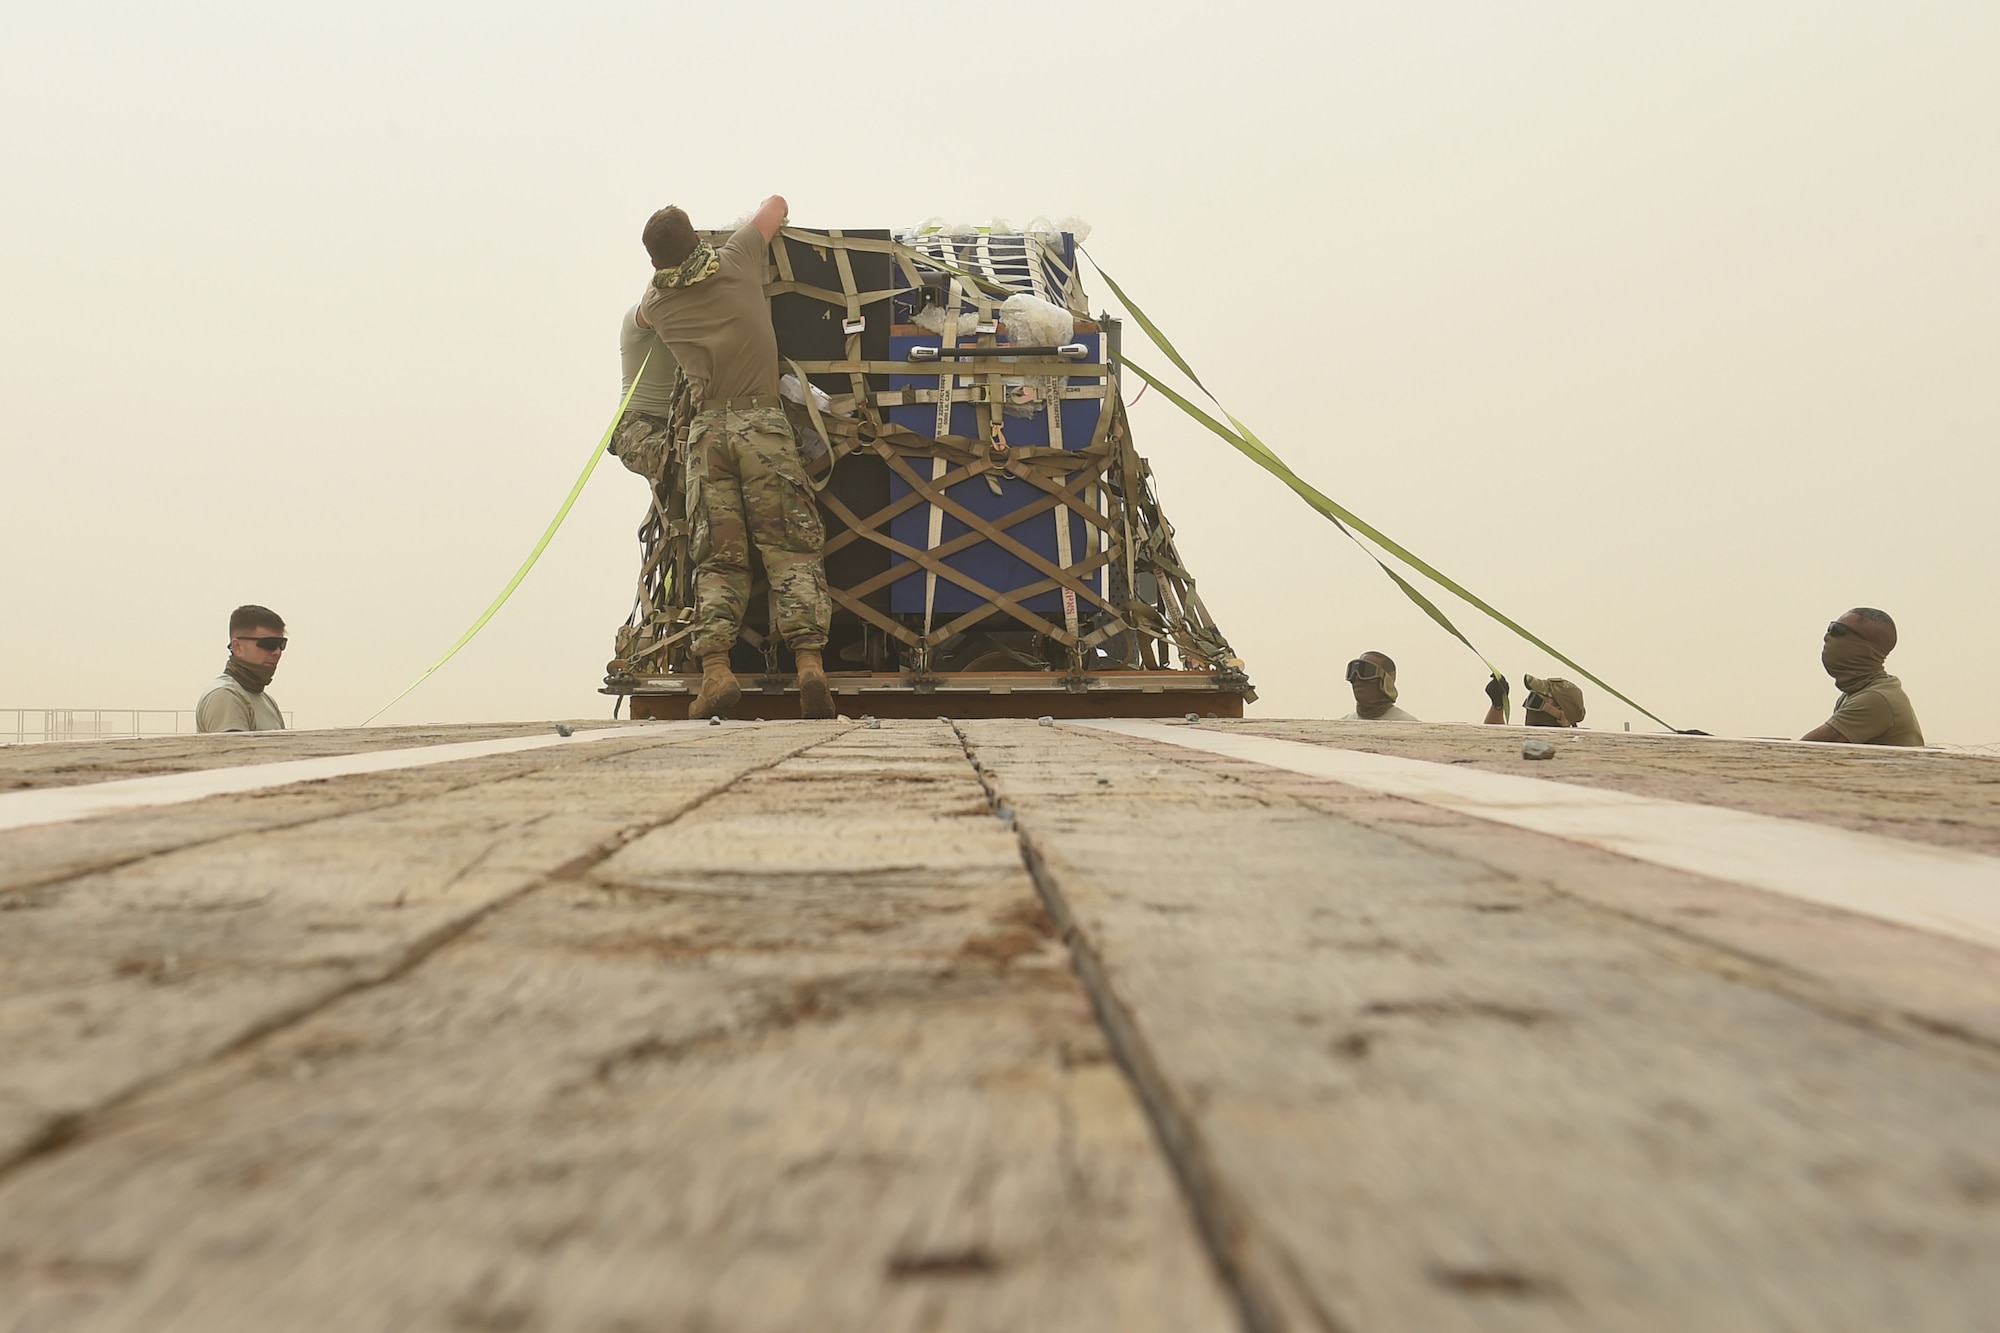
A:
[29,726]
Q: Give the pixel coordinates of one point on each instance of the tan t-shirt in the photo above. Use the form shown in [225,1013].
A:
[637,347]
[1878,713]
[720,328]
[227,706]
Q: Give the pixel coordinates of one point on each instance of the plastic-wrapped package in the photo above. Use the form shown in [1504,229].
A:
[1033,322]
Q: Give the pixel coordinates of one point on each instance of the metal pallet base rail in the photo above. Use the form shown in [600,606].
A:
[960,695]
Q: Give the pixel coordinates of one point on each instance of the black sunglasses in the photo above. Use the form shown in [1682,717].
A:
[268,645]
[1837,630]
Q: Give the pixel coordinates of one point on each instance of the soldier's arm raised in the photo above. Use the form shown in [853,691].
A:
[771,216]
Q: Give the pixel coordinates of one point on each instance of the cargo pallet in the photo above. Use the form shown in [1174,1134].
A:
[995,547]
[961,695]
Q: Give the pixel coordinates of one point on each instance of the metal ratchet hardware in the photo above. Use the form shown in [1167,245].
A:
[1067,352]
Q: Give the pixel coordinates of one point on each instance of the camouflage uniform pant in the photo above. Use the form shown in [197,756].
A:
[745,484]
[643,443]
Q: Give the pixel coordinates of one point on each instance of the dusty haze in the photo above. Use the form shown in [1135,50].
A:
[1673,335]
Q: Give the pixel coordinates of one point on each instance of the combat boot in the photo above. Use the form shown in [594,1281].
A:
[815,696]
[719,690]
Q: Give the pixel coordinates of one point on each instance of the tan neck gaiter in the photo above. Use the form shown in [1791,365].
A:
[1852,661]
[1374,698]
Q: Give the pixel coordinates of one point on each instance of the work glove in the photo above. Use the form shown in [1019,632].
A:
[1496,690]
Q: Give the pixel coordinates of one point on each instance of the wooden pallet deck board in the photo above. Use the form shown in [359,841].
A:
[45,854]
[1949,799]
[32,767]
[775,1025]
[1432,1094]
[111,980]
[845,1079]
[1911,981]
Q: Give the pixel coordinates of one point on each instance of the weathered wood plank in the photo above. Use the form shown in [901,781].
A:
[1429,1096]
[110,981]
[40,854]
[807,1057]
[69,763]
[1908,980]
[1925,796]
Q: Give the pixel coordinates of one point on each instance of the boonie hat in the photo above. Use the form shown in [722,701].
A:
[1567,698]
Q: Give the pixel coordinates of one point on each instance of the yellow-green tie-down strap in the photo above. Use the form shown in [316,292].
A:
[1247,443]
[590,466]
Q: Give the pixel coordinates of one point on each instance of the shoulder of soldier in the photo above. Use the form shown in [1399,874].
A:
[223,706]
[747,241]
[1863,715]
[224,682]
[742,255]
[660,307]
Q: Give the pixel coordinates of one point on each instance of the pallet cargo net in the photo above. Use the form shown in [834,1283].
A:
[994,540]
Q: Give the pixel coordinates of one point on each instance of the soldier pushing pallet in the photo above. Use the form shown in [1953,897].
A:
[992,545]
[744,482]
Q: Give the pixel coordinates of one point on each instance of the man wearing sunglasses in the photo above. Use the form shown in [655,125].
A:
[1373,676]
[1873,710]
[238,700]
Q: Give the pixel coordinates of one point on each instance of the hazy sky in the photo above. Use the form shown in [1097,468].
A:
[1675,333]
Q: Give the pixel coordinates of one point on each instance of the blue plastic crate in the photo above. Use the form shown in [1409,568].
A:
[992,565]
